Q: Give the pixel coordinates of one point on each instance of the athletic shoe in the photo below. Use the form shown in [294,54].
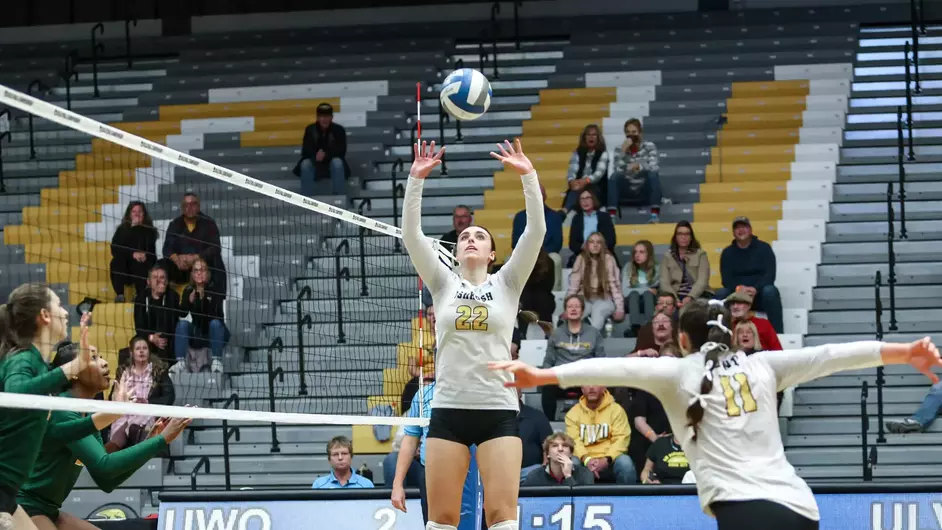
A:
[903,426]
[217,366]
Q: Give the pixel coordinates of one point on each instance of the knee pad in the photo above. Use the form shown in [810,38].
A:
[6,521]
[504,525]
[431,525]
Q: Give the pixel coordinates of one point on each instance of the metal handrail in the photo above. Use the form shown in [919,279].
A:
[343,273]
[914,17]
[279,346]
[366,204]
[203,462]
[901,169]
[443,118]
[864,428]
[68,73]
[891,255]
[3,135]
[398,165]
[32,141]
[458,136]
[97,29]
[909,103]
[495,33]
[227,433]
[881,380]
[517,5]
[303,320]
[127,40]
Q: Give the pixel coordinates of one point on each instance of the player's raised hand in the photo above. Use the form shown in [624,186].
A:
[426,159]
[924,356]
[525,376]
[512,155]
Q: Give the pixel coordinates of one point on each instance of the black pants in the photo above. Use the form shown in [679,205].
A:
[549,394]
[767,515]
[423,498]
[7,500]
[130,272]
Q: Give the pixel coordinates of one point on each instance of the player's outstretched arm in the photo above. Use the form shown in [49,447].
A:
[518,268]
[424,257]
[653,375]
[793,367]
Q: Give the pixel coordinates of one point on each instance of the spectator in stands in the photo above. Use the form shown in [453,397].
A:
[662,333]
[558,468]
[192,236]
[588,166]
[156,312]
[666,462]
[685,268]
[740,307]
[144,376]
[203,303]
[746,338]
[588,220]
[323,154]
[647,416]
[666,303]
[635,175]
[748,264]
[427,369]
[342,475]
[533,428]
[572,341]
[924,415]
[537,294]
[599,426]
[461,217]
[133,250]
[552,241]
[595,276]
[639,281]
[410,451]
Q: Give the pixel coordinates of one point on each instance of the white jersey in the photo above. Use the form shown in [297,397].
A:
[474,323]
[738,455]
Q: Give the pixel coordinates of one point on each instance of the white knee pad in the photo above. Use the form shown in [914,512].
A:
[6,521]
[431,525]
[504,525]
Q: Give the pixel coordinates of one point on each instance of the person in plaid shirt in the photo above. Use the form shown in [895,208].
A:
[636,172]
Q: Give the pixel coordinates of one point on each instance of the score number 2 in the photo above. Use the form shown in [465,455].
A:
[596,518]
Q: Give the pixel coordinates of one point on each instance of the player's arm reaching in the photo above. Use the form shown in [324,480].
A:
[518,268]
[800,366]
[424,257]
[653,375]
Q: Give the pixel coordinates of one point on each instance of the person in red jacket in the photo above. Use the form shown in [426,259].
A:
[740,306]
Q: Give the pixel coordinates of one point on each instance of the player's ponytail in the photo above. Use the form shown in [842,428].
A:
[18,325]
[705,326]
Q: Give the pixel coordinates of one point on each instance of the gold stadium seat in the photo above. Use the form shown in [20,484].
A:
[755,137]
[288,138]
[78,197]
[284,123]
[78,291]
[286,107]
[111,161]
[719,212]
[661,233]
[59,215]
[496,218]
[743,191]
[71,271]
[581,96]
[776,172]
[758,89]
[96,254]
[753,154]
[544,144]
[25,234]
[100,178]
[105,146]
[509,199]
[767,104]
[765,120]
[149,128]
[510,180]
[571,127]
[590,112]
[554,160]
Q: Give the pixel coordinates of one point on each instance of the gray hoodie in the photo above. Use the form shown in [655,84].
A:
[565,347]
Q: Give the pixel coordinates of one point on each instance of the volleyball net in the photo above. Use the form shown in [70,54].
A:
[306,306]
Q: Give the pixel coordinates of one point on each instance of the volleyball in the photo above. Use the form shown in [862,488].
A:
[466,94]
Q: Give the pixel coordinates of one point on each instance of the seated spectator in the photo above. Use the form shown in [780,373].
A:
[740,307]
[342,475]
[203,303]
[685,268]
[558,468]
[588,166]
[133,250]
[647,416]
[639,281]
[599,427]
[156,312]
[537,294]
[144,377]
[323,154]
[552,241]
[746,338]
[666,303]
[533,428]
[588,220]
[748,264]
[427,370]
[461,217]
[662,334]
[666,462]
[596,278]
[635,176]
[572,341]
[191,236]
[924,415]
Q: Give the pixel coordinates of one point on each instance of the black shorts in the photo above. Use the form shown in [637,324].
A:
[7,500]
[472,427]
[767,515]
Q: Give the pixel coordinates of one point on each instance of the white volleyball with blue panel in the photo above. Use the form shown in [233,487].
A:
[466,94]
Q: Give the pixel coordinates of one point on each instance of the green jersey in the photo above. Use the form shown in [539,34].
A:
[21,431]
[60,463]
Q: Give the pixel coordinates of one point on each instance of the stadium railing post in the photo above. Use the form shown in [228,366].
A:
[909,104]
[368,205]
[96,47]
[5,135]
[864,427]
[204,461]
[398,165]
[127,40]
[891,254]
[881,381]
[914,17]
[459,64]
[304,319]
[901,166]
[443,118]
[68,74]
[39,85]
[276,345]
[517,5]
[342,273]
[226,434]
[495,34]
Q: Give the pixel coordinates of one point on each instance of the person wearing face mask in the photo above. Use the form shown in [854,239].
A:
[588,166]
[61,461]
[133,250]
[636,172]
[156,313]
[571,341]
[146,375]
[203,302]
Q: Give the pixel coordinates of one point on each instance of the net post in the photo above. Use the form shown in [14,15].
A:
[304,320]
[342,273]
[279,346]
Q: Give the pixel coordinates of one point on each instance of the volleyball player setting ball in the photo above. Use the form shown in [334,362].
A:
[722,406]
[475,317]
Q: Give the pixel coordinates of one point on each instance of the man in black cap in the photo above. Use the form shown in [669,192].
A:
[323,152]
[749,264]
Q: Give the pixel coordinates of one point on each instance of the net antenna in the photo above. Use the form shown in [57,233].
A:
[421,354]
[70,119]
